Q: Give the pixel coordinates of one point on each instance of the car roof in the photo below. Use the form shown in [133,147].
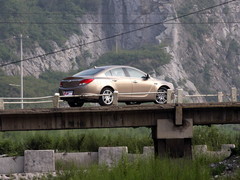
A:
[112,66]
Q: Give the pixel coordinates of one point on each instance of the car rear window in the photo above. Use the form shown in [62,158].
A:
[118,72]
[88,72]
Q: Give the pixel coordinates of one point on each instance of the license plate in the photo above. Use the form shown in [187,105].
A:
[67,93]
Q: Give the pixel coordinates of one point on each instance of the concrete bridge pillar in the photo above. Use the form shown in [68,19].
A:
[173,140]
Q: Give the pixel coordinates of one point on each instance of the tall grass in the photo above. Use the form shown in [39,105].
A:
[14,143]
[142,169]
[213,136]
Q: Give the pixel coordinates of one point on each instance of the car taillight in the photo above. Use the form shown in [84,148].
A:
[85,81]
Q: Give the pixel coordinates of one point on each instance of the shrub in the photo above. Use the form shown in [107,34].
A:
[6,146]
[39,142]
[213,137]
[155,56]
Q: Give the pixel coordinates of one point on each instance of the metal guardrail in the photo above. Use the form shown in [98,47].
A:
[172,97]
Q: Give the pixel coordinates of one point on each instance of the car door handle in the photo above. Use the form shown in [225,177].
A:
[135,82]
[114,80]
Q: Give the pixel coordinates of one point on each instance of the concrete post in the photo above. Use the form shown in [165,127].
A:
[10,165]
[56,100]
[39,161]
[110,156]
[169,96]
[1,104]
[115,98]
[220,97]
[234,94]
[180,96]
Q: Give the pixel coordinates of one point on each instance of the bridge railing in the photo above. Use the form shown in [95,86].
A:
[233,96]
[177,96]
[33,100]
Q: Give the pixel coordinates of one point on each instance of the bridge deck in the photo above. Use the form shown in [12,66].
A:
[117,116]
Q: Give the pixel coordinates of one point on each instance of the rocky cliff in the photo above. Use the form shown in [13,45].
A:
[206,51]
[204,46]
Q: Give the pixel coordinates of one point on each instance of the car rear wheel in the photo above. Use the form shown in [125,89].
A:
[161,97]
[132,103]
[75,103]
[107,97]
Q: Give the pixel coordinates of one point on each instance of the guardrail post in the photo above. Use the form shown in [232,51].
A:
[1,104]
[115,98]
[180,96]
[56,100]
[220,97]
[234,94]
[169,95]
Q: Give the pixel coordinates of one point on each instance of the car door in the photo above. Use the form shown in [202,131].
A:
[121,82]
[141,85]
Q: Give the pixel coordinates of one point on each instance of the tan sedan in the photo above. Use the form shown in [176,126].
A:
[98,84]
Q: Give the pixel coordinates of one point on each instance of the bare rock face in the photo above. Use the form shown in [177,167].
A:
[205,57]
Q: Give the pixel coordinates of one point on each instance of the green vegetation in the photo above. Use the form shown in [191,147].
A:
[213,137]
[167,169]
[43,21]
[144,58]
[74,140]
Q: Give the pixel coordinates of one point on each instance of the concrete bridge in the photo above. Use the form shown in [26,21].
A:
[171,124]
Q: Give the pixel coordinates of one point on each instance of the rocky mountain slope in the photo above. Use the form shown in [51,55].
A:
[204,46]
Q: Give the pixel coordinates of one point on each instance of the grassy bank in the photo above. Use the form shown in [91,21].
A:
[14,143]
[167,169]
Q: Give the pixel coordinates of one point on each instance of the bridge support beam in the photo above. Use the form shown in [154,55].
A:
[171,140]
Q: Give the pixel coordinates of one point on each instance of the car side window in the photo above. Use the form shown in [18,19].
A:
[108,73]
[118,72]
[135,73]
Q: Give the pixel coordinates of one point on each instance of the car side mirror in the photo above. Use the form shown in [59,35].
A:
[146,77]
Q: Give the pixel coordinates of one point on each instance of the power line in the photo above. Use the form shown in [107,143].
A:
[80,14]
[120,34]
[116,23]
[104,14]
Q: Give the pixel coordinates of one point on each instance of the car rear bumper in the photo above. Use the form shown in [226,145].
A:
[80,92]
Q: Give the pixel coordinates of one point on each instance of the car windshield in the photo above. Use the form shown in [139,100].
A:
[88,72]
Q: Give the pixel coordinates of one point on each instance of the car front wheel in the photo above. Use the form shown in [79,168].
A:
[106,98]
[161,96]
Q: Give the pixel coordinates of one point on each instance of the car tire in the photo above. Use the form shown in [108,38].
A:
[161,98]
[132,103]
[107,98]
[75,103]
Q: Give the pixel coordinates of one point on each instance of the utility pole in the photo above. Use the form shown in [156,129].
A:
[21,69]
